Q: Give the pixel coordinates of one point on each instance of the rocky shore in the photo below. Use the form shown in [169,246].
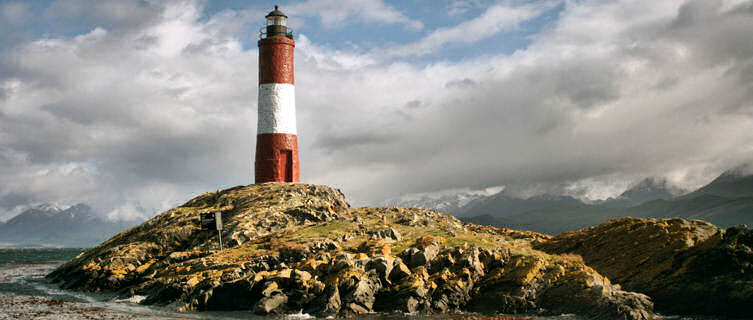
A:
[685,266]
[292,247]
[31,307]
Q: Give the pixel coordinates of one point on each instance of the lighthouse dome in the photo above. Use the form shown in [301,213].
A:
[276,13]
[276,25]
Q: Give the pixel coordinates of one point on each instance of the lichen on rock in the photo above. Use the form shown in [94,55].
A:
[685,266]
[301,247]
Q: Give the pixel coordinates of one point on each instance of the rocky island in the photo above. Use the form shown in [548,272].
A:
[292,247]
[685,266]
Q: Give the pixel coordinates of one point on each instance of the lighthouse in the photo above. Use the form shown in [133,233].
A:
[276,137]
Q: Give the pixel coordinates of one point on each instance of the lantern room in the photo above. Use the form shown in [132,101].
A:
[276,25]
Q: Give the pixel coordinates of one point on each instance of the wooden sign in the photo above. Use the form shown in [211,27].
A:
[218,220]
[212,221]
[208,221]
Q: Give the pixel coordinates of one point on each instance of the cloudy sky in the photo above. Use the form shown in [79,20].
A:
[136,106]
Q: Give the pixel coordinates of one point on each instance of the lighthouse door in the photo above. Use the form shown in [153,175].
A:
[285,166]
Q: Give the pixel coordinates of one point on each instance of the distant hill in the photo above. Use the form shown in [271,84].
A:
[449,202]
[487,220]
[726,201]
[48,225]
[555,220]
[735,183]
[505,205]
[646,190]
[722,211]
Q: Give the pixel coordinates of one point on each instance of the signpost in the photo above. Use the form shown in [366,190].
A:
[212,221]
[218,225]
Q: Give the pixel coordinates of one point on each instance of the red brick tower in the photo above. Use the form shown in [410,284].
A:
[276,139]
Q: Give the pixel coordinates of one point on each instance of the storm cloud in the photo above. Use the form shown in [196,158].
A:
[158,104]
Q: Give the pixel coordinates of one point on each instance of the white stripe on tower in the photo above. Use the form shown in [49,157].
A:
[276,108]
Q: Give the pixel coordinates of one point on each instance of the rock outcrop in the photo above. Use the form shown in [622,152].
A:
[301,247]
[685,266]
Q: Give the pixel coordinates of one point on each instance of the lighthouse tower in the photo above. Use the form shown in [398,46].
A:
[276,139]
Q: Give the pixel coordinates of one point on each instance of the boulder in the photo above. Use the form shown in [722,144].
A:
[274,303]
[358,292]
[389,233]
[383,266]
[419,257]
[399,271]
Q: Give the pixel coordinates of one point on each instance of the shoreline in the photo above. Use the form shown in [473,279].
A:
[25,294]
[40,307]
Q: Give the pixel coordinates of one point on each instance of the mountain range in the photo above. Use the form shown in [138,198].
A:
[726,201]
[49,225]
[448,202]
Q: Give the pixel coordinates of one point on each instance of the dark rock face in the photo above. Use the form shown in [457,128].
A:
[590,302]
[300,247]
[713,278]
[685,266]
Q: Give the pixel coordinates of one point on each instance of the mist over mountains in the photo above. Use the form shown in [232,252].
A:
[451,201]
[648,189]
[53,226]
[726,201]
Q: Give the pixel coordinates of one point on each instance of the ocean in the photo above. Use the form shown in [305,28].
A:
[26,294]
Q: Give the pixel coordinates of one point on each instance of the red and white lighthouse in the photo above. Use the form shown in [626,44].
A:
[276,139]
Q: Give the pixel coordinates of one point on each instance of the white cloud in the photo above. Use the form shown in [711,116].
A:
[144,107]
[458,7]
[107,13]
[497,18]
[330,59]
[335,13]
[151,114]
[567,109]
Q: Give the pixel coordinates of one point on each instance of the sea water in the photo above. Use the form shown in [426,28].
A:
[25,293]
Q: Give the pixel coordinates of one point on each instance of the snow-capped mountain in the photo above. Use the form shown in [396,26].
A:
[648,189]
[53,225]
[447,201]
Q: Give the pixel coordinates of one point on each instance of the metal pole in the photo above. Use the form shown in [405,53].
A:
[218,225]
